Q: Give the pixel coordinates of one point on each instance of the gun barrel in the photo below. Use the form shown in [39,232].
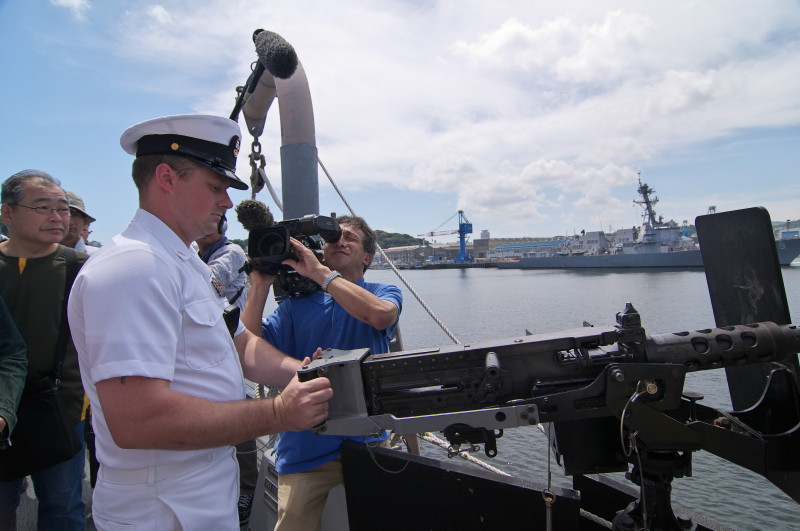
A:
[724,347]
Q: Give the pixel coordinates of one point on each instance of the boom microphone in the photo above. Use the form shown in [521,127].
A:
[277,55]
[254,215]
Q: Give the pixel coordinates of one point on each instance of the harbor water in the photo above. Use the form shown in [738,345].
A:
[485,304]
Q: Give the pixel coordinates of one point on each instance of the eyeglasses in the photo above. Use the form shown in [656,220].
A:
[46,211]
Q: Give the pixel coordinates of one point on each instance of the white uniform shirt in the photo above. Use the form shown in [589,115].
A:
[145,306]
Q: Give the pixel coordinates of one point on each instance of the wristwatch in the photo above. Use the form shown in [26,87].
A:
[328,280]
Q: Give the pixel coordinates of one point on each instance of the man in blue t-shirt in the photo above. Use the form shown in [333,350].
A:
[347,313]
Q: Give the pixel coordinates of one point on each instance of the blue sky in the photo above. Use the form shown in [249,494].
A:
[533,117]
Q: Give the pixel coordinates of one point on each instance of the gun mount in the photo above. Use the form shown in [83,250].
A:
[617,386]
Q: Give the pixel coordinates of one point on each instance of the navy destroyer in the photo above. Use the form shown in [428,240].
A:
[656,243]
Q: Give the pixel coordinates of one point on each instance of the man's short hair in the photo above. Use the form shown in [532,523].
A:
[144,168]
[370,238]
[12,187]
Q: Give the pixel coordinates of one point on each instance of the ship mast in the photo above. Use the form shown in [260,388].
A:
[647,201]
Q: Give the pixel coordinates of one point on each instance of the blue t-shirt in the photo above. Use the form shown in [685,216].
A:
[297,327]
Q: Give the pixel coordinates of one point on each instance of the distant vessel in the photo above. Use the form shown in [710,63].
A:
[657,243]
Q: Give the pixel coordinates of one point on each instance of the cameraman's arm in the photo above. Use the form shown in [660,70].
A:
[363,305]
[358,302]
[263,363]
[256,300]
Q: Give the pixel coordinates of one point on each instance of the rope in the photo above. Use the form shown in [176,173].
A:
[271,189]
[596,519]
[431,438]
[396,271]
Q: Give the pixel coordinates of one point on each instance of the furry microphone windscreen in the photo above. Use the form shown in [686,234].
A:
[275,54]
[254,215]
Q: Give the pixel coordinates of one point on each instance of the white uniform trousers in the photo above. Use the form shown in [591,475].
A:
[197,495]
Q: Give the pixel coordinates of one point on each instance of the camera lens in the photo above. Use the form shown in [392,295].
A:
[272,244]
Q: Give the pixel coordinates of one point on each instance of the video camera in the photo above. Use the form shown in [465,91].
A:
[268,244]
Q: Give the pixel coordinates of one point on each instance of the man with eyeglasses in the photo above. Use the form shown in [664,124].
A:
[33,271]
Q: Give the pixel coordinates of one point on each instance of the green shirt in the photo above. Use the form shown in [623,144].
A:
[35,298]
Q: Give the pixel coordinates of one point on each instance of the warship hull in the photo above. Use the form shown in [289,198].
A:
[788,251]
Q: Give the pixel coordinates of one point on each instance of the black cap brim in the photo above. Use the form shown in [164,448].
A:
[216,157]
[233,180]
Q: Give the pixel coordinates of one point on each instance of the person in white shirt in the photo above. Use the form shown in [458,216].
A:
[161,366]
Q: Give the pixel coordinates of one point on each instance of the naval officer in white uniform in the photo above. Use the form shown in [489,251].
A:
[161,369]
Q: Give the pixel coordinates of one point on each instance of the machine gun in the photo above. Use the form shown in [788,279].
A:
[616,385]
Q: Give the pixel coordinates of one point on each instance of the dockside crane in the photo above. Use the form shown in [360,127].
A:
[464,228]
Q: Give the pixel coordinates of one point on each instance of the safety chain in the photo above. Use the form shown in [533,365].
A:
[258,174]
[256,182]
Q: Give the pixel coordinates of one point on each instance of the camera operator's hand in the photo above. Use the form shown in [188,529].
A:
[307,263]
[303,405]
[259,279]
[257,296]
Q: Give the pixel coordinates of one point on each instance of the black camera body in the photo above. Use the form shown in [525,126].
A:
[268,247]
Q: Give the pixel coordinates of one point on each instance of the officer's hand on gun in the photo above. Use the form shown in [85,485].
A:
[303,405]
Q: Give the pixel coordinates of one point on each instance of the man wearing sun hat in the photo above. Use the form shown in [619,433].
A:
[158,359]
[79,220]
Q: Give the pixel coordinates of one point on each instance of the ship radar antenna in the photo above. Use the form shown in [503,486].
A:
[647,201]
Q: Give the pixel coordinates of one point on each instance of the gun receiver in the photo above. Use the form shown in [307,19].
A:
[537,369]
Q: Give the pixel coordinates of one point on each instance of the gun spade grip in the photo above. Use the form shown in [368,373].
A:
[306,374]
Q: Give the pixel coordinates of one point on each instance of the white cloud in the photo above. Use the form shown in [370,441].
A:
[77,7]
[520,110]
[159,15]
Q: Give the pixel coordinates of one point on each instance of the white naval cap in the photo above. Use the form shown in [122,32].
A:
[211,141]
